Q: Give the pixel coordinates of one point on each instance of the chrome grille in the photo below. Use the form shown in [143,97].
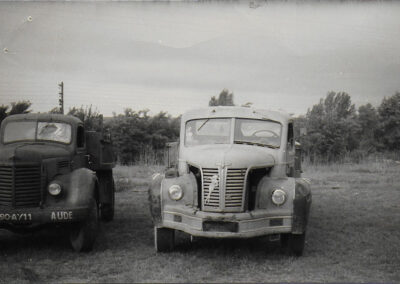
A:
[20,186]
[228,194]
[210,200]
[234,188]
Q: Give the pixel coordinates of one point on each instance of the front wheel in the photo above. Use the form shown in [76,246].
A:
[107,209]
[164,239]
[294,243]
[83,235]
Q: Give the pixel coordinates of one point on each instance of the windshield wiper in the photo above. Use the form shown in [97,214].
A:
[256,143]
[203,124]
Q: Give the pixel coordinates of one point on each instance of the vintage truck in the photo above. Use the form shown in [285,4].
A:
[237,176]
[54,173]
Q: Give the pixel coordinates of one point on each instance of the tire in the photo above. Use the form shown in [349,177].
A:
[107,209]
[296,244]
[164,239]
[285,241]
[83,235]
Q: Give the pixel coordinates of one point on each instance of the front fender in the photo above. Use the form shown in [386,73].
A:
[79,187]
[301,206]
[154,193]
[298,202]
[188,184]
[159,197]
[265,189]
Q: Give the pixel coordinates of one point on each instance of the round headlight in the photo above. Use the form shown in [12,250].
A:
[278,197]
[54,188]
[175,192]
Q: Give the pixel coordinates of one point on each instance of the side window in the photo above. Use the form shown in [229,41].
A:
[290,135]
[80,137]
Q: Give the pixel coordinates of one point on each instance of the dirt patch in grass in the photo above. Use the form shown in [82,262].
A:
[353,236]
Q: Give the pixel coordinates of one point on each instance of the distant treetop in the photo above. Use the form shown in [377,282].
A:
[224,99]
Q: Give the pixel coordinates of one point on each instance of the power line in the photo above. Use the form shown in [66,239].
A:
[61,100]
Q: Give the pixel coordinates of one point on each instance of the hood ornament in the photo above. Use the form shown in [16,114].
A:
[214,183]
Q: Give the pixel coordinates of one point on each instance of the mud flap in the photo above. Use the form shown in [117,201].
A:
[301,206]
[154,193]
[106,186]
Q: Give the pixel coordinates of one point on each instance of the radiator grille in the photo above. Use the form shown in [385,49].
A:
[228,190]
[6,183]
[20,186]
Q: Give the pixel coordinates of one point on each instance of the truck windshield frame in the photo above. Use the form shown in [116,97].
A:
[249,131]
[32,131]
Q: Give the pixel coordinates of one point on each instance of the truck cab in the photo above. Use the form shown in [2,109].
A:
[237,175]
[54,173]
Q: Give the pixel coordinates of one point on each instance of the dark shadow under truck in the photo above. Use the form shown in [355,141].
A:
[53,172]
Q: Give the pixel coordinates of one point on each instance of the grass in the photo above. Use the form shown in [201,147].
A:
[134,177]
[353,236]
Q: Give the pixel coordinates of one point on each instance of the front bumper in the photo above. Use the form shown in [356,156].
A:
[225,225]
[31,217]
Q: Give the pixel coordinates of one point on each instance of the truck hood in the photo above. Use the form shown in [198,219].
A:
[32,152]
[232,156]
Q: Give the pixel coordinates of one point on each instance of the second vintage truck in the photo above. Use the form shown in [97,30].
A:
[237,176]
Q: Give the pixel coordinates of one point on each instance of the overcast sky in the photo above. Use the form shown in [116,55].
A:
[175,56]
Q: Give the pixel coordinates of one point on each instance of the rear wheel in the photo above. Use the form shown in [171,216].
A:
[164,239]
[83,235]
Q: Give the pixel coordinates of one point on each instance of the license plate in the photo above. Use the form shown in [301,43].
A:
[220,226]
[17,217]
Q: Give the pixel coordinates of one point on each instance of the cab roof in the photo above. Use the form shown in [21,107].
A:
[239,112]
[44,117]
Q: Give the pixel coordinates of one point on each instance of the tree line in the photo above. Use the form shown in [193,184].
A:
[332,130]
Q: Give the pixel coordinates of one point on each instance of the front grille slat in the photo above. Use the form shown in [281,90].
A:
[20,186]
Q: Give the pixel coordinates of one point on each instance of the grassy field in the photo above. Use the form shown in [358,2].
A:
[353,236]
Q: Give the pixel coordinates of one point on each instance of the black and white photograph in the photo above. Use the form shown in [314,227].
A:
[200,141]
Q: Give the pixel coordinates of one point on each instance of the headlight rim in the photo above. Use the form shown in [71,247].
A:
[284,196]
[55,183]
[177,187]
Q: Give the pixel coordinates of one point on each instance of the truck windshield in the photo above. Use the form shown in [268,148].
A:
[208,131]
[258,132]
[31,131]
[247,131]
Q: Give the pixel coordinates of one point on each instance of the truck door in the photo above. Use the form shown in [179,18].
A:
[290,151]
[80,159]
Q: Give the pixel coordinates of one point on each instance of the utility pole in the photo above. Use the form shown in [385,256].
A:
[61,100]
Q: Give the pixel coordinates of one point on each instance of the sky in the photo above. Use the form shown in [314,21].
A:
[174,56]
